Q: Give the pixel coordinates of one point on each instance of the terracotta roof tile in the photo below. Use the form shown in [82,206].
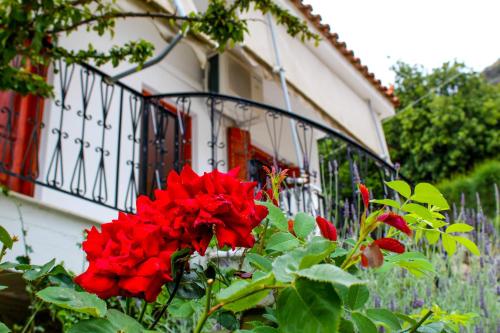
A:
[333,37]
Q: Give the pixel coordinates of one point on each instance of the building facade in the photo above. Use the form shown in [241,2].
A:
[74,160]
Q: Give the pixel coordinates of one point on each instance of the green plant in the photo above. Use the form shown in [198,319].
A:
[482,184]
[447,121]
[300,281]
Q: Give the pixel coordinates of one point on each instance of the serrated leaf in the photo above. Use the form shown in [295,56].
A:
[308,306]
[234,295]
[5,238]
[95,325]
[38,272]
[303,224]
[282,241]
[363,323]
[432,236]
[74,300]
[449,244]
[315,252]
[330,274]
[419,210]
[387,202]
[123,323]
[4,328]
[354,297]
[427,193]
[459,227]
[385,317]
[276,216]
[259,262]
[401,187]
[346,326]
[470,245]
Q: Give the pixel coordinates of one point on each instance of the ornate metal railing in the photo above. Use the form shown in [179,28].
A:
[107,143]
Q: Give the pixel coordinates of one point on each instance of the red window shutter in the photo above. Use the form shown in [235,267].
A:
[20,123]
[238,150]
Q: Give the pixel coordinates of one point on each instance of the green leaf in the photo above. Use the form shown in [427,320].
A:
[346,326]
[431,328]
[459,227]
[427,193]
[282,241]
[95,325]
[303,224]
[406,318]
[73,300]
[330,274]
[470,245]
[234,295]
[4,328]
[308,306]
[401,187]
[354,297]
[259,262]
[432,236]
[387,202]
[265,329]
[449,244]
[357,296]
[316,251]
[419,210]
[38,272]
[123,323]
[363,323]
[385,317]
[415,262]
[276,216]
[5,238]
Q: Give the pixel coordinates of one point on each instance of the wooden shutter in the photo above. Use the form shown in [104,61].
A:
[238,150]
[20,124]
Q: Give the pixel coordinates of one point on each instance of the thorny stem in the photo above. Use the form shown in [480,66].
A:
[262,237]
[424,318]
[170,298]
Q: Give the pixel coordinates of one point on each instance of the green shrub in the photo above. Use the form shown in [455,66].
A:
[480,182]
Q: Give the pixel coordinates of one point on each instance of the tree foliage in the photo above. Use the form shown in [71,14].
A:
[30,31]
[447,122]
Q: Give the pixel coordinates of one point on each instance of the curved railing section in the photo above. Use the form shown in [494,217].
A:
[107,143]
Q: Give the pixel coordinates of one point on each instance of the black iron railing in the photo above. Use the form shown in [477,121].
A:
[107,143]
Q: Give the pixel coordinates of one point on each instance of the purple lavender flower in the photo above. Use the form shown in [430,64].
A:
[377,301]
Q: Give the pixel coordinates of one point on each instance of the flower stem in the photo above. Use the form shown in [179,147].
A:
[347,262]
[143,311]
[420,323]
[31,318]
[170,298]
[206,312]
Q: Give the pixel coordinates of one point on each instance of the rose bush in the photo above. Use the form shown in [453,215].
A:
[295,272]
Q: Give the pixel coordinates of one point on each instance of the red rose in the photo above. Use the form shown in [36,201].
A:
[128,258]
[131,256]
[327,229]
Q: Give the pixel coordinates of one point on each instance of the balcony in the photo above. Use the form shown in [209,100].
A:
[97,145]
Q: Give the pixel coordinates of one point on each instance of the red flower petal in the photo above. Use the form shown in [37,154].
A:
[390,244]
[327,229]
[290,227]
[396,221]
[365,194]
